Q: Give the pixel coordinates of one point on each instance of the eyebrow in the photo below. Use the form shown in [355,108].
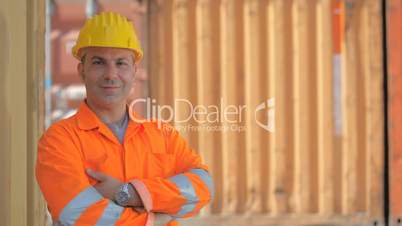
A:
[97,58]
[118,59]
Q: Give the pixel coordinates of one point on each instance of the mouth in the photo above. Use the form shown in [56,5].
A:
[110,87]
[110,90]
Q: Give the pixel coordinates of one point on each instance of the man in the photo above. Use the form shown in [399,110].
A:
[102,166]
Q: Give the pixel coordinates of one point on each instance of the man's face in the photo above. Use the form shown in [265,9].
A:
[108,74]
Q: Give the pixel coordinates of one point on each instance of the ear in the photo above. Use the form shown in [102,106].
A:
[135,70]
[80,70]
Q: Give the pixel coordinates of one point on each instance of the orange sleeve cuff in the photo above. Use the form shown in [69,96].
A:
[145,196]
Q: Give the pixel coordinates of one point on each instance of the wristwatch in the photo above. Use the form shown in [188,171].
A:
[123,195]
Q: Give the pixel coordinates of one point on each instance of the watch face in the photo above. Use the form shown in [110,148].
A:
[122,198]
[123,195]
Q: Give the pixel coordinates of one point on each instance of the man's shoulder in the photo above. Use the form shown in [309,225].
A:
[62,126]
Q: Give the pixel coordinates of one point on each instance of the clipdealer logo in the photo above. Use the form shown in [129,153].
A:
[269,107]
[220,117]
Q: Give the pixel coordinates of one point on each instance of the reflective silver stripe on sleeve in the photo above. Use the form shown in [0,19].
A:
[110,215]
[206,178]
[78,205]
[187,191]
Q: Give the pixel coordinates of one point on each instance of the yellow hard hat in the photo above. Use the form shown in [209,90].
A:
[108,30]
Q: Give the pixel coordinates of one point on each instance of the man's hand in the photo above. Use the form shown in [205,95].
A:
[107,186]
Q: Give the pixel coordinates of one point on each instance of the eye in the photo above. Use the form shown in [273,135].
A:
[97,62]
[121,63]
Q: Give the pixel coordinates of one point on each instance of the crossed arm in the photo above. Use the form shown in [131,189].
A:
[107,186]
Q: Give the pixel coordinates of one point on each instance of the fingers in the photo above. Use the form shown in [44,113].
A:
[139,209]
[96,175]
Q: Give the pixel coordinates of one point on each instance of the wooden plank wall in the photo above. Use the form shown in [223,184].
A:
[318,64]
[36,25]
[394,44]
[22,38]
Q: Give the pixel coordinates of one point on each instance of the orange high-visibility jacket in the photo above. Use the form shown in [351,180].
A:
[165,171]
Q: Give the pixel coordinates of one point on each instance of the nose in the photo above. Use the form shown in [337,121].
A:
[110,72]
